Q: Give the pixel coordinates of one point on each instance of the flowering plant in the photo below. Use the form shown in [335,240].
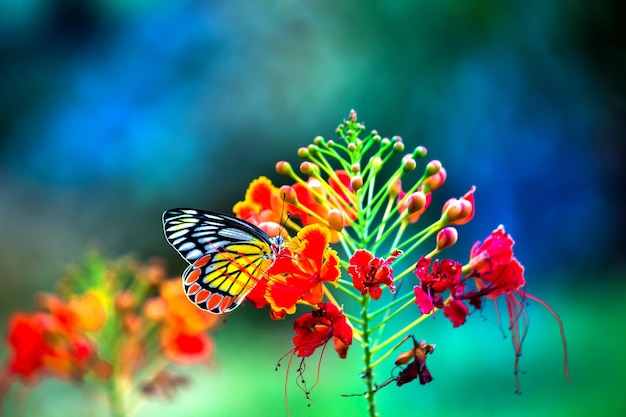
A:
[350,197]
[114,327]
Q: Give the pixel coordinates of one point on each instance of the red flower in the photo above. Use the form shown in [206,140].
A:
[456,311]
[369,273]
[298,275]
[27,343]
[42,343]
[494,266]
[315,329]
[444,276]
[497,273]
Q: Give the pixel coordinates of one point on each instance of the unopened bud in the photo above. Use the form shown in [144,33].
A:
[308,168]
[283,168]
[352,146]
[446,238]
[432,168]
[459,211]
[356,182]
[124,301]
[303,153]
[335,219]
[356,167]
[420,152]
[288,194]
[352,116]
[398,146]
[416,202]
[319,141]
[408,163]
[435,181]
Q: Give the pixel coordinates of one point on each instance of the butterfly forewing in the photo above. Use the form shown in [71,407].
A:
[227,255]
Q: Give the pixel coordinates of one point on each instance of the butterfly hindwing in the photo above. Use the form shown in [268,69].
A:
[227,256]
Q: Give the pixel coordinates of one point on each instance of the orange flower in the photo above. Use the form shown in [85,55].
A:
[183,337]
[299,273]
[263,203]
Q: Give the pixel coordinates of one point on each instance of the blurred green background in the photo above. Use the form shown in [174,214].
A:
[113,111]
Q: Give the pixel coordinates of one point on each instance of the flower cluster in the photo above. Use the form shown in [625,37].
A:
[349,197]
[114,325]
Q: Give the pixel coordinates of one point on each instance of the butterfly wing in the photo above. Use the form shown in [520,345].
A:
[227,256]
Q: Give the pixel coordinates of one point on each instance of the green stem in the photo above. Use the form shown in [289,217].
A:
[368,372]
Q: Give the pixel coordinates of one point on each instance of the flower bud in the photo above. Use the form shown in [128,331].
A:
[352,116]
[303,153]
[416,202]
[335,220]
[288,194]
[408,163]
[155,309]
[319,141]
[308,168]
[420,152]
[385,142]
[459,211]
[355,168]
[283,168]
[351,146]
[124,301]
[435,181]
[330,143]
[398,146]
[356,182]
[432,168]
[446,238]
[376,137]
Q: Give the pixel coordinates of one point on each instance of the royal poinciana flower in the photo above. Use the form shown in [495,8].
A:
[443,277]
[498,274]
[369,272]
[113,325]
[299,274]
[350,195]
[317,328]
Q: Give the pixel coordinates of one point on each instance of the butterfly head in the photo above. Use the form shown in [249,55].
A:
[278,244]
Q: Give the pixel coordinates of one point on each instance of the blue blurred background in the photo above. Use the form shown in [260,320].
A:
[113,111]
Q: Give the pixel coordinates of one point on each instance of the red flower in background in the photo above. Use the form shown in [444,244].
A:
[184,338]
[315,329]
[369,272]
[45,342]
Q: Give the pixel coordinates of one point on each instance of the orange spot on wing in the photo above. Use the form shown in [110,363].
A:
[202,296]
[193,288]
[214,301]
[226,303]
[202,261]
[192,277]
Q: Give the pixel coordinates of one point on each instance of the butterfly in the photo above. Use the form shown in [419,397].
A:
[227,256]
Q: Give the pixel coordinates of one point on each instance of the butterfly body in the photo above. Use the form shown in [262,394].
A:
[227,256]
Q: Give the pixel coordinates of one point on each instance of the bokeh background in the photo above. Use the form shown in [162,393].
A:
[113,111]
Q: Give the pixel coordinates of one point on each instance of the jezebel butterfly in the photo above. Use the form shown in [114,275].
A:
[227,256]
